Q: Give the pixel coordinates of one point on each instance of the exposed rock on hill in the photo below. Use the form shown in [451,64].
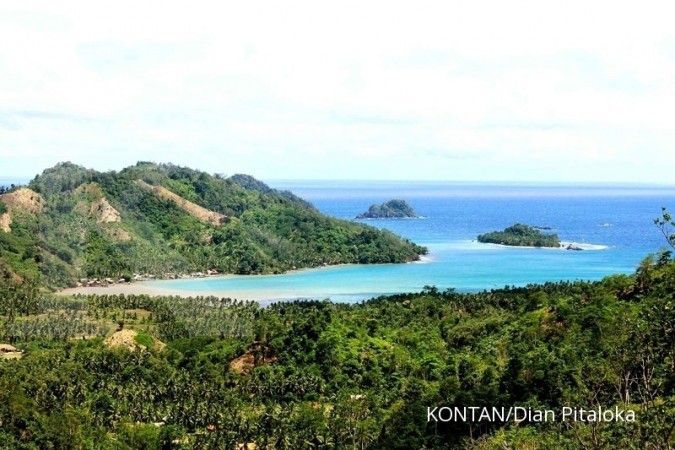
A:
[10,352]
[196,211]
[104,212]
[5,222]
[256,355]
[132,340]
[95,204]
[23,199]
[16,202]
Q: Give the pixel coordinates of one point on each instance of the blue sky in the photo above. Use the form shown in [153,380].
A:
[487,91]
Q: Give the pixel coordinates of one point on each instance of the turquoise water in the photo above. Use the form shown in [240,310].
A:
[617,218]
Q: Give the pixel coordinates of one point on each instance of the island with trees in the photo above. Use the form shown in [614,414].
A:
[393,209]
[521,235]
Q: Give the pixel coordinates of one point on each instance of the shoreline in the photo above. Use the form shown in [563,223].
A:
[563,246]
[190,286]
[263,297]
[146,286]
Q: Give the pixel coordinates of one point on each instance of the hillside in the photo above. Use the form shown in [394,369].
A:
[217,373]
[160,219]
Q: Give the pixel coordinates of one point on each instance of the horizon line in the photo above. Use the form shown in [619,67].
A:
[495,182]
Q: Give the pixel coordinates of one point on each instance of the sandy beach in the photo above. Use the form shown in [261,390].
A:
[148,288]
[151,287]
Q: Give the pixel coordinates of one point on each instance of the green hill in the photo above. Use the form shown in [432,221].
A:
[162,219]
[130,372]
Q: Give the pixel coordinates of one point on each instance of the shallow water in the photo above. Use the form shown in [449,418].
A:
[616,219]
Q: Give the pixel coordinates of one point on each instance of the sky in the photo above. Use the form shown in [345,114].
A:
[450,90]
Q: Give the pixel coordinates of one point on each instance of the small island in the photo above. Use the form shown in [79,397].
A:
[521,235]
[393,209]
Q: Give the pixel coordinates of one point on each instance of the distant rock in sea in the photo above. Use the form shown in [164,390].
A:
[393,209]
[573,247]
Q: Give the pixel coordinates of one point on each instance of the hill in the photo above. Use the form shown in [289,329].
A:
[393,209]
[217,373]
[521,235]
[160,219]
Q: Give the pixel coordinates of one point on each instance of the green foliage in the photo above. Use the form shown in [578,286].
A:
[268,231]
[327,375]
[102,257]
[144,339]
[666,225]
[521,235]
[62,177]
[19,251]
[3,207]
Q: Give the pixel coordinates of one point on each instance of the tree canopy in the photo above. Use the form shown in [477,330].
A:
[521,235]
[113,224]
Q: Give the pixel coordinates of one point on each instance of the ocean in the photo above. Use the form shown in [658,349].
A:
[616,219]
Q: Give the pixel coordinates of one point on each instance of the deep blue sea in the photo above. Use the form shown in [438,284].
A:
[617,218]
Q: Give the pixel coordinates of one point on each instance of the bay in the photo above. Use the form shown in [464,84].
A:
[618,219]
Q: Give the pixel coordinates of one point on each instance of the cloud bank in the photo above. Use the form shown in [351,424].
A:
[556,91]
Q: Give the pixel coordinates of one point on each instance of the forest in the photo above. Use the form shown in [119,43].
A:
[72,223]
[144,372]
[116,372]
[520,235]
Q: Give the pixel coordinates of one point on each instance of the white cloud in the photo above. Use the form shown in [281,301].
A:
[450,90]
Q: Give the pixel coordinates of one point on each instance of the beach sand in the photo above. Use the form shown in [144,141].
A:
[151,289]
[145,288]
